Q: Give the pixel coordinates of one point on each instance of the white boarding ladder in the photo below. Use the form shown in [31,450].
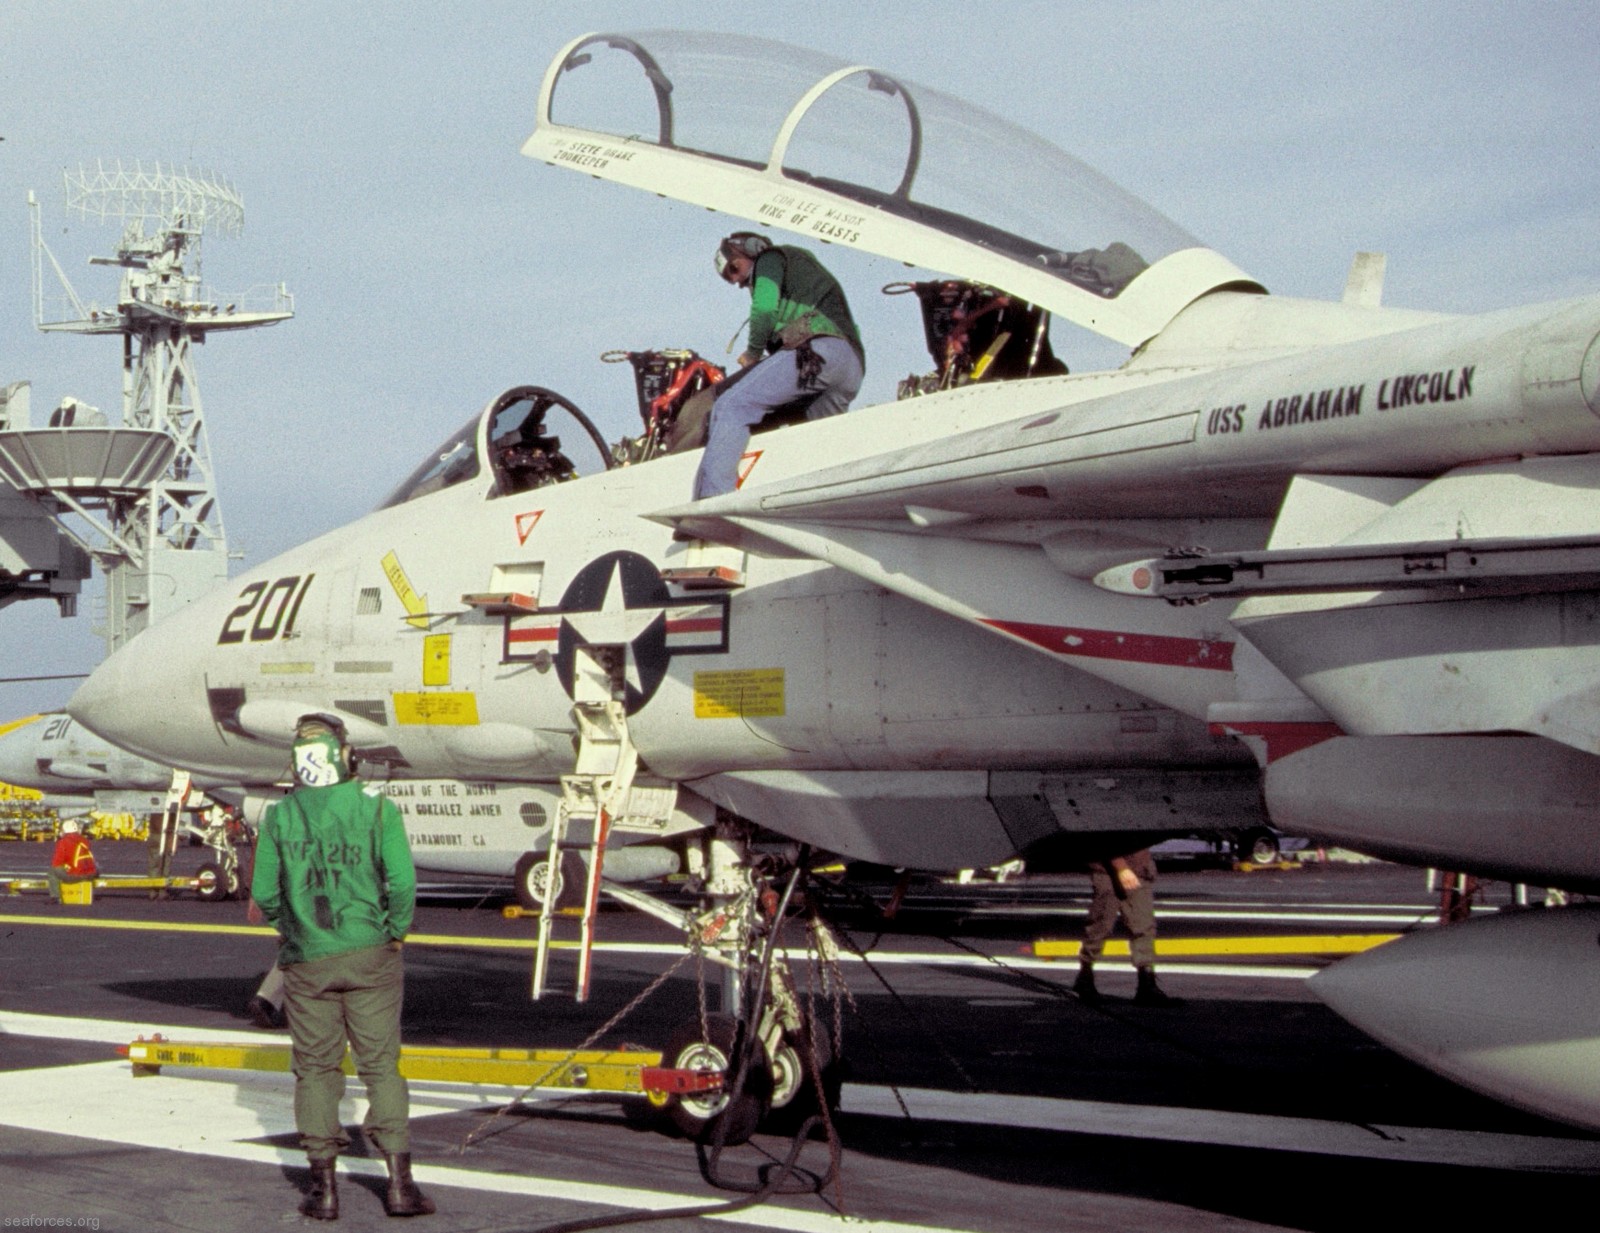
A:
[591,797]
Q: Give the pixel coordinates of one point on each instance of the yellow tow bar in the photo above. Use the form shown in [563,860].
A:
[620,1073]
[112,881]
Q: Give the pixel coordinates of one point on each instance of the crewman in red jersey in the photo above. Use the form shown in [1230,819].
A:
[71,861]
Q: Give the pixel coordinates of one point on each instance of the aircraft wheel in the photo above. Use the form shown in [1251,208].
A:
[1259,847]
[794,1091]
[211,883]
[788,1075]
[532,873]
[726,1117]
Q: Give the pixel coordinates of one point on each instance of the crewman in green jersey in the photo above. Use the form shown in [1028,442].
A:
[334,877]
[804,350]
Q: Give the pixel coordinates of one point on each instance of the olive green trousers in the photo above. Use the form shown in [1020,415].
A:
[355,996]
[1137,908]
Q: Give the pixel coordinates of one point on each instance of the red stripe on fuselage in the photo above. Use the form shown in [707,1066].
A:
[1159,649]
[695,625]
[683,625]
[534,633]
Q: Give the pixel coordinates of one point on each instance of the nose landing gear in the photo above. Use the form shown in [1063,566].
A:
[779,1062]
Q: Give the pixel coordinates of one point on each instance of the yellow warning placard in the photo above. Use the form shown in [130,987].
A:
[750,693]
[416,605]
[436,659]
[439,709]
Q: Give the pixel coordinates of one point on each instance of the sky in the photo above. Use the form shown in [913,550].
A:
[432,266]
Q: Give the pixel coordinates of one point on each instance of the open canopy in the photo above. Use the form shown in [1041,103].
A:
[842,154]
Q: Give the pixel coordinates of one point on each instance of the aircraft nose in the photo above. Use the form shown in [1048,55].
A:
[18,746]
[140,700]
[108,704]
[155,697]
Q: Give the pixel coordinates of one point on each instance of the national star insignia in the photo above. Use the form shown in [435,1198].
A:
[615,624]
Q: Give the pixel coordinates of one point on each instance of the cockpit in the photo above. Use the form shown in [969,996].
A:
[517,437]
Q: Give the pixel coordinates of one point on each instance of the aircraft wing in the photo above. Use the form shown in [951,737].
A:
[845,154]
[1074,455]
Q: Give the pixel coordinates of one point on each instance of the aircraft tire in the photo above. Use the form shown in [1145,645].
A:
[529,875]
[211,883]
[530,881]
[717,1116]
[1259,846]
[794,1089]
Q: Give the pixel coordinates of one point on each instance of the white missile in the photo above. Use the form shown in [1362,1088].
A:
[1508,1006]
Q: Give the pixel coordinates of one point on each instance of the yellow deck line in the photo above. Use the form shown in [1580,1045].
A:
[152,926]
[110,882]
[1300,944]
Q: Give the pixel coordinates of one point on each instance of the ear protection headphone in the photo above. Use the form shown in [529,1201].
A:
[750,243]
[741,244]
[324,735]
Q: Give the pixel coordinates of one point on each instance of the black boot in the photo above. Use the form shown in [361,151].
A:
[1084,985]
[402,1198]
[1151,994]
[323,1201]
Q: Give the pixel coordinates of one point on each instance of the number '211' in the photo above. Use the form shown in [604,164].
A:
[275,605]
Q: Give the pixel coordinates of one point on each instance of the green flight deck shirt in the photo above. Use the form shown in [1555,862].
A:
[787,282]
[333,871]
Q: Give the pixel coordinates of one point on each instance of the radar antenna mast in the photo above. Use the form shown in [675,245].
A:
[163,541]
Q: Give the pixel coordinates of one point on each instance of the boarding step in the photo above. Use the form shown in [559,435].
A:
[501,603]
[591,797]
[704,577]
[706,566]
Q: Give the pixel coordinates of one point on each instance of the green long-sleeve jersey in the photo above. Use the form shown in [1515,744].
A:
[787,282]
[333,871]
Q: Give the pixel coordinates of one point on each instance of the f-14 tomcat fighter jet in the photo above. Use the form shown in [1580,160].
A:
[57,757]
[939,632]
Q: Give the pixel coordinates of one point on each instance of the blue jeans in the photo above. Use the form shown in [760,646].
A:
[762,389]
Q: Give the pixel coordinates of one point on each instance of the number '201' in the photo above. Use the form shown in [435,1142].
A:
[275,606]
